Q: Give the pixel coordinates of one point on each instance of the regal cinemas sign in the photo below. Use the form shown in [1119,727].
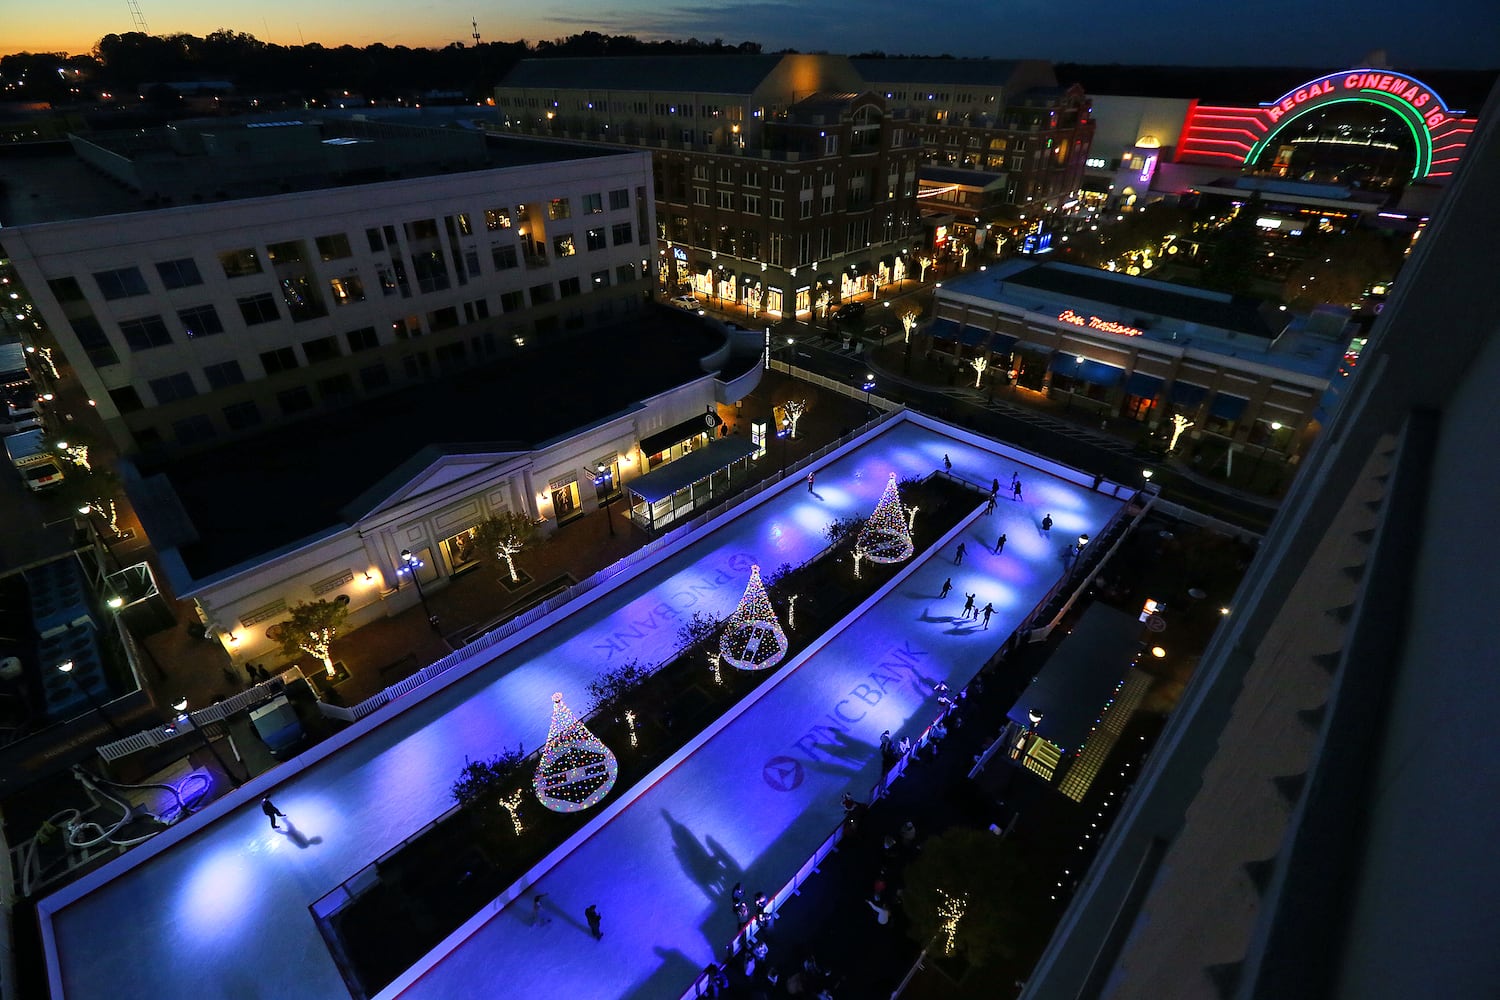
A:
[1428,106]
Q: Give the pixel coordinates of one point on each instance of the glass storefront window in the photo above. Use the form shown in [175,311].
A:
[461,550]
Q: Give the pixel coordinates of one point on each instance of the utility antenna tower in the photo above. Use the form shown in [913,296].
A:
[473,20]
[136,17]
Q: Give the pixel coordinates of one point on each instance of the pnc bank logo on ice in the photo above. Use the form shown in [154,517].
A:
[825,740]
[632,625]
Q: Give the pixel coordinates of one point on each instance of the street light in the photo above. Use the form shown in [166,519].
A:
[869,384]
[783,434]
[599,481]
[66,668]
[180,707]
[412,564]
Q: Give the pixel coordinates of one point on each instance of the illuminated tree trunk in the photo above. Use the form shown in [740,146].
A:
[979,365]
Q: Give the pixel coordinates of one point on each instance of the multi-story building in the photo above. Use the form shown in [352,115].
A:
[788,182]
[207,279]
[781,182]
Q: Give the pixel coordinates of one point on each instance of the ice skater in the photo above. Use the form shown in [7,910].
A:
[592,916]
[1047,522]
[989,507]
[538,918]
[969,605]
[269,808]
[958,555]
[947,465]
[1015,489]
[1000,544]
[809,482]
[947,586]
[995,488]
[989,609]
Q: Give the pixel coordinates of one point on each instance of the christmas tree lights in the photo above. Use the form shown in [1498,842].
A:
[950,912]
[512,805]
[577,770]
[1179,424]
[979,365]
[794,409]
[886,537]
[752,638]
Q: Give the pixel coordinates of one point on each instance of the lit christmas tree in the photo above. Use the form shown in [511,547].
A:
[577,770]
[886,537]
[752,638]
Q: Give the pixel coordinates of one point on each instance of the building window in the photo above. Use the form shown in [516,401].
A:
[363,339]
[194,429]
[496,218]
[374,377]
[421,229]
[558,208]
[562,246]
[126,399]
[620,233]
[450,357]
[347,290]
[239,263]
[242,416]
[66,290]
[776,208]
[200,321]
[179,273]
[752,179]
[283,359]
[95,341]
[807,208]
[320,350]
[541,294]
[752,204]
[512,301]
[594,239]
[504,257]
[726,176]
[170,388]
[297,399]
[778,182]
[432,272]
[593,204]
[145,333]
[445,318]
[223,375]
[465,227]
[406,328]
[120,284]
[726,201]
[700,196]
[257,309]
[373,236]
[462,550]
[334,246]
[624,274]
[336,388]
[619,199]
[568,287]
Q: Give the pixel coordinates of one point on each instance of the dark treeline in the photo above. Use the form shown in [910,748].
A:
[123,64]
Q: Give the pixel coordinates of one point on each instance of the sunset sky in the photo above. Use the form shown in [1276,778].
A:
[1437,33]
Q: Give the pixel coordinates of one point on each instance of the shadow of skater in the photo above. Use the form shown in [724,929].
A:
[299,839]
[711,871]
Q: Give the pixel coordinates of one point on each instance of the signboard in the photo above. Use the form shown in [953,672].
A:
[1095,323]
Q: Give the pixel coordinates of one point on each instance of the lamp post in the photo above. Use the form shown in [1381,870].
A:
[180,707]
[869,384]
[599,481]
[784,433]
[412,564]
[66,668]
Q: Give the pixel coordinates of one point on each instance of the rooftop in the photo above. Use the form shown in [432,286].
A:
[219,160]
[723,74]
[1080,676]
[346,460]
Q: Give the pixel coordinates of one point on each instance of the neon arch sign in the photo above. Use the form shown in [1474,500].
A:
[1415,104]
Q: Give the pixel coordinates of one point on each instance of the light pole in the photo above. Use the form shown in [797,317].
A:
[412,564]
[784,433]
[599,481]
[869,384]
[180,707]
[66,668]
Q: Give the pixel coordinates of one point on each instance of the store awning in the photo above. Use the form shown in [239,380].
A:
[692,427]
[943,329]
[973,336]
[1187,394]
[1001,344]
[690,468]
[1093,372]
[1227,407]
[1143,385]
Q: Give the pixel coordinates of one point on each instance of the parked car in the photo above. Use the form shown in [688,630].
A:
[687,302]
[849,312]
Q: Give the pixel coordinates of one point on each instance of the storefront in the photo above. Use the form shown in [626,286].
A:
[461,551]
[679,440]
[679,489]
[564,494]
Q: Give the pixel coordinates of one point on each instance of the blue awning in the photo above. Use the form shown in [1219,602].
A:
[1187,394]
[973,336]
[1143,385]
[1093,372]
[943,329]
[1227,407]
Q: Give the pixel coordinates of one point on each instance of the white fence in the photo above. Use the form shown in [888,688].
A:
[159,735]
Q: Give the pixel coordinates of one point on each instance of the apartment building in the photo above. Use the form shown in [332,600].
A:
[207,279]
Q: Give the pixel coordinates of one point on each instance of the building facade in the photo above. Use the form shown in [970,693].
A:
[217,301]
[1240,373]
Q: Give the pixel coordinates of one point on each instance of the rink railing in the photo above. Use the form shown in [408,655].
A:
[218,712]
[529,617]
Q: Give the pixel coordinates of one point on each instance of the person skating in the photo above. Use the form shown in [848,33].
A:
[989,609]
[1047,522]
[269,808]
[1015,489]
[592,916]
[1000,544]
[995,488]
[947,586]
[969,604]
[958,555]
[989,507]
[947,465]
[538,918]
[809,482]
